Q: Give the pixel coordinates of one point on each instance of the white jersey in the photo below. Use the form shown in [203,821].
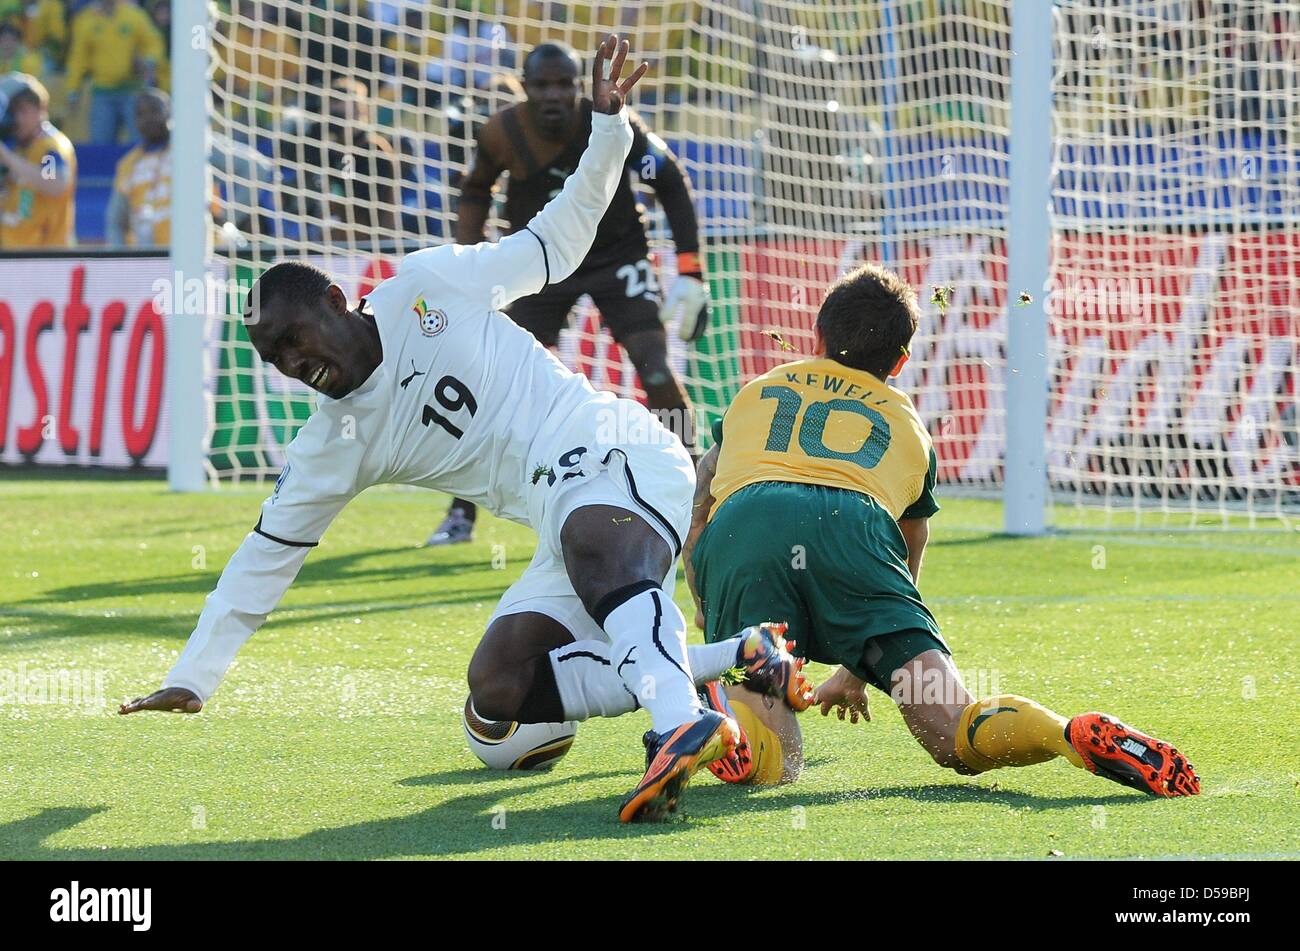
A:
[464,401]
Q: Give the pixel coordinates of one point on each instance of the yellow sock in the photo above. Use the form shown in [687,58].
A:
[764,746]
[1011,731]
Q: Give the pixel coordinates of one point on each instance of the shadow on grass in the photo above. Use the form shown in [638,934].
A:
[44,625]
[345,568]
[951,794]
[465,825]
[472,824]
[46,622]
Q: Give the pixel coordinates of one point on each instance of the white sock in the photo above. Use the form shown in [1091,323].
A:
[711,661]
[648,650]
[590,687]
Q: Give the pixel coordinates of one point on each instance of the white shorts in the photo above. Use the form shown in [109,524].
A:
[656,482]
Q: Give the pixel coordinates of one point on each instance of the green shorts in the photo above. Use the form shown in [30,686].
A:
[830,562]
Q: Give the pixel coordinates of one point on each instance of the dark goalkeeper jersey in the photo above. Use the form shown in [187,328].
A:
[539,167]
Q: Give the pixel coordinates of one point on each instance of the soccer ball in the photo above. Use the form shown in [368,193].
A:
[506,744]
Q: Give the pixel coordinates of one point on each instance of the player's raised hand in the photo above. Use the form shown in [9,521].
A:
[846,693]
[169,699]
[607,93]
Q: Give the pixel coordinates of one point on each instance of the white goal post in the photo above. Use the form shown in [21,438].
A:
[1098,203]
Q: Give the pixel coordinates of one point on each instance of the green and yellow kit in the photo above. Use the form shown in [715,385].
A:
[817,463]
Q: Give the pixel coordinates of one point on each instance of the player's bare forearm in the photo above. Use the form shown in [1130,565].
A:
[916,532]
[704,472]
[476,192]
[471,218]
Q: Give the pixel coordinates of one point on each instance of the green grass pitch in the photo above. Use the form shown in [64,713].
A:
[337,733]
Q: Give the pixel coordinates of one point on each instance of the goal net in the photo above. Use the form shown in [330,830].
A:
[818,136]
[1176,297]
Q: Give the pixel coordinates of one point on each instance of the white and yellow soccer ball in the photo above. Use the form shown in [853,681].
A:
[506,744]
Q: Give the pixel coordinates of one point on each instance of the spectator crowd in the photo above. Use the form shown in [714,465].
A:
[348,120]
[96,73]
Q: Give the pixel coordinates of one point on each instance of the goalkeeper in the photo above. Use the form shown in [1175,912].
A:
[539,142]
[813,508]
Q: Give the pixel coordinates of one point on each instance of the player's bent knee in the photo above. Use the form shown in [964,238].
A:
[495,688]
[495,701]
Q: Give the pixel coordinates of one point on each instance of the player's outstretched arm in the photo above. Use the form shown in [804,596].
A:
[321,477]
[916,532]
[554,243]
[476,190]
[704,472]
[252,584]
[567,225]
[657,167]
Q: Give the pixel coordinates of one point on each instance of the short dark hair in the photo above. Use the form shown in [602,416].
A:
[553,51]
[32,92]
[867,319]
[295,282]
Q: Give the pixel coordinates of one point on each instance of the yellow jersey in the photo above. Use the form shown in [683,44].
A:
[47,27]
[819,422]
[23,61]
[144,180]
[107,48]
[29,219]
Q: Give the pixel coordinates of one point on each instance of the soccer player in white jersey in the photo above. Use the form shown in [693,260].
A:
[437,388]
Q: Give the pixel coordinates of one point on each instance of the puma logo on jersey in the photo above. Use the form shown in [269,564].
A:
[432,322]
[414,374]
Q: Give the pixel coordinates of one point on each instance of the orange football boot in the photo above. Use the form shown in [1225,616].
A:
[672,759]
[738,765]
[1123,755]
[770,668]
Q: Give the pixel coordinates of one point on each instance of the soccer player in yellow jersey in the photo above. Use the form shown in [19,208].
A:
[38,170]
[812,509]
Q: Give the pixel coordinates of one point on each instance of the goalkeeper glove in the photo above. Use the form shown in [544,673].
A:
[690,295]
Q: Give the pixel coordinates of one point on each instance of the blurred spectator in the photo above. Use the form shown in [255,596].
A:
[357,171]
[116,45]
[47,30]
[14,57]
[414,49]
[250,180]
[344,44]
[38,173]
[139,211]
[12,11]
[263,56]
[160,13]
[489,50]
